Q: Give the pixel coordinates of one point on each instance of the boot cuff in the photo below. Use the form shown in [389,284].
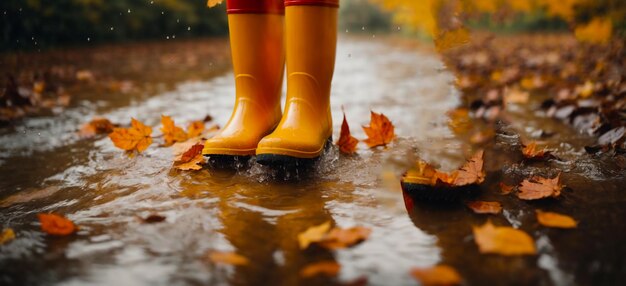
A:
[327,3]
[255,7]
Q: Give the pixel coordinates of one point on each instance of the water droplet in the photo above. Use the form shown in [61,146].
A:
[162,13]
[399,28]
[88,39]
[188,28]
[373,36]
[129,11]
[32,38]
[112,28]
[173,36]
[168,37]
[363,28]
[177,20]
[347,31]
[151,2]
[38,133]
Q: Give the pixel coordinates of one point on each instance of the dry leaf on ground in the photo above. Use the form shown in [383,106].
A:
[470,173]
[482,207]
[96,126]
[551,219]
[503,240]
[538,188]
[380,132]
[231,258]
[56,225]
[171,132]
[137,137]
[313,234]
[327,268]
[436,275]
[347,143]
[7,235]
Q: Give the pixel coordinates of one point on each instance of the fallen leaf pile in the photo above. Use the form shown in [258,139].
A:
[54,224]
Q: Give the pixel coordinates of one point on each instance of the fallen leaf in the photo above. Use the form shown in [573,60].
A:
[472,172]
[213,3]
[598,31]
[436,275]
[137,137]
[195,129]
[551,219]
[380,132]
[449,39]
[85,75]
[339,238]
[96,126]
[482,137]
[516,96]
[231,258]
[505,189]
[460,121]
[482,207]
[191,159]
[538,188]
[530,151]
[7,235]
[171,132]
[153,218]
[327,268]
[347,143]
[503,240]
[56,225]
[313,234]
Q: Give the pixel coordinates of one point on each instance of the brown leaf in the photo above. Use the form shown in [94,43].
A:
[56,225]
[230,258]
[472,172]
[7,235]
[551,219]
[531,151]
[481,207]
[538,188]
[436,275]
[327,268]
[339,238]
[171,132]
[191,153]
[96,126]
[380,132]
[313,234]
[347,143]
[503,240]
[137,137]
[505,189]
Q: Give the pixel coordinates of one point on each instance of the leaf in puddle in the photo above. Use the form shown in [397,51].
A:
[191,159]
[95,127]
[538,188]
[195,129]
[327,268]
[551,219]
[436,275]
[7,235]
[530,151]
[54,224]
[153,218]
[30,195]
[137,137]
[482,207]
[505,189]
[472,172]
[347,143]
[313,234]
[171,132]
[339,238]
[503,240]
[380,132]
[230,258]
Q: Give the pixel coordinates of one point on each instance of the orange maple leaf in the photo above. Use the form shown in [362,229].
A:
[137,137]
[213,3]
[538,188]
[171,132]
[195,129]
[380,132]
[437,275]
[347,143]
[503,240]
[531,151]
[56,225]
[472,172]
[231,258]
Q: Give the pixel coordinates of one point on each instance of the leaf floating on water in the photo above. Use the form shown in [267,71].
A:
[446,40]
[56,224]
[230,258]
[347,143]
[503,240]
[472,172]
[213,3]
[191,159]
[327,268]
[436,275]
[482,207]
[171,132]
[7,235]
[95,127]
[380,132]
[339,238]
[538,188]
[531,151]
[313,234]
[551,219]
[137,137]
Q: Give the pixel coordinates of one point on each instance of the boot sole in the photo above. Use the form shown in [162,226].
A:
[226,161]
[286,161]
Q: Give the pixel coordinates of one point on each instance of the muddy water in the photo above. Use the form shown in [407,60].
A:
[257,213]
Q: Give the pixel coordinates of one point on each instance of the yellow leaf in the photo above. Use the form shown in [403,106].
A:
[213,3]
[195,129]
[6,236]
[328,268]
[171,132]
[503,240]
[598,31]
[437,275]
[446,40]
[313,234]
[137,137]
[551,219]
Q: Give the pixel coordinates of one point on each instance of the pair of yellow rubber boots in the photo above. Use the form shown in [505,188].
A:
[259,42]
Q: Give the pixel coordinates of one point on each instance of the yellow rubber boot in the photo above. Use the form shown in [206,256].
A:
[258,56]
[306,126]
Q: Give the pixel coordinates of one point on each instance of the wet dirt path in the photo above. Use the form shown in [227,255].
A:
[259,215]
